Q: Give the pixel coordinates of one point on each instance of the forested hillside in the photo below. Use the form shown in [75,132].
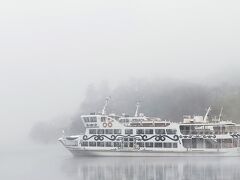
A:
[165,98]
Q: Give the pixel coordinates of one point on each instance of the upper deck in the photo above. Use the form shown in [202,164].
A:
[111,121]
[203,125]
[191,125]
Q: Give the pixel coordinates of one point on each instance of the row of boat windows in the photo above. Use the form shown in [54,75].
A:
[105,131]
[90,119]
[128,120]
[94,119]
[210,143]
[91,125]
[103,119]
[130,131]
[157,131]
[126,144]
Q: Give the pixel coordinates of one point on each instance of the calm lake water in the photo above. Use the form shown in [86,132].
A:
[55,163]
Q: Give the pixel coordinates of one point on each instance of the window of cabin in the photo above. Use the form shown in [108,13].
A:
[167,145]
[108,131]
[92,131]
[160,131]
[100,131]
[128,131]
[148,131]
[131,144]
[158,145]
[103,119]
[175,145]
[117,131]
[108,144]
[130,139]
[86,119]
[125,144]
[100,144]
[185,129]
[92,144]
[140,144]
[140,131]
[93,119]
[84,144]
[187,143]
[148,144]
[171,131]
[226,143]
[116,144]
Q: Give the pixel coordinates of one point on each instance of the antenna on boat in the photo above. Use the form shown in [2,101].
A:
[105,105]
[220,115]
[206,115]
[137,109]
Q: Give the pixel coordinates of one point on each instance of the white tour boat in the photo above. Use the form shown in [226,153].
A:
[112,135]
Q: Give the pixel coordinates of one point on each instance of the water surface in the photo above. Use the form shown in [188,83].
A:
[55,163]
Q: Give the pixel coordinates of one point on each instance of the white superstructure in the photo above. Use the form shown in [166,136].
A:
[112,135]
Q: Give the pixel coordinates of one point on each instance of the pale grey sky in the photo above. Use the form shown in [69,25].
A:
[50,50]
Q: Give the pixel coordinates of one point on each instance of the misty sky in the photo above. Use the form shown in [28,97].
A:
[50,50]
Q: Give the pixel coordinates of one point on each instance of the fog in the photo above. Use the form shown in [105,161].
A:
[52,50]
[55,54]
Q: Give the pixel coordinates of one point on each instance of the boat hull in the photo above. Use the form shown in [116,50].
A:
[144,153]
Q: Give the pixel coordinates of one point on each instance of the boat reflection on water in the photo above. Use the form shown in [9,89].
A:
[175,168]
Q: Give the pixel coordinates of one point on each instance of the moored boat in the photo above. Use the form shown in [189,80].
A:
[139,135]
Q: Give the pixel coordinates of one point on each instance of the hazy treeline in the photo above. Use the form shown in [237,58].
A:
[165,98]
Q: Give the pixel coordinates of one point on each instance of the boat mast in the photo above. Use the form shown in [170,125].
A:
[220,115]
[105,105]
[137,109]
[206,115]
